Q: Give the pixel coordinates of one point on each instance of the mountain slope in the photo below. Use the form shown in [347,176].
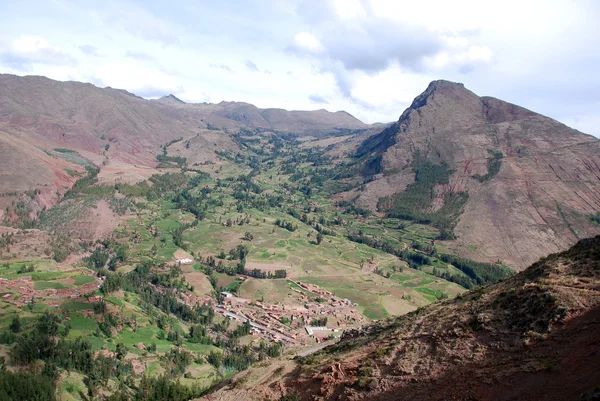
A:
[532,182]
[49,130]
[533,336]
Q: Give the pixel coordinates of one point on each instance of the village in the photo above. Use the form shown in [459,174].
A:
[316,316]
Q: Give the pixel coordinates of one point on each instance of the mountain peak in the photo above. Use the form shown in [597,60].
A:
[171,99]
[444,88]
[442,83]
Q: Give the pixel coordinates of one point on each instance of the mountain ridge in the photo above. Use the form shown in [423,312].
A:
[511,162]
[115,130]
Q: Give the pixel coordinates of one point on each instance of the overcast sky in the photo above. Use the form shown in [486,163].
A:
[370,58]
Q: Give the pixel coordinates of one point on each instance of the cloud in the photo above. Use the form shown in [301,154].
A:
[250,66]
[90,50]
[459,55]
[223,67]
[317,99]
[305,42]
[587,123]
[141,23]
[139,56]
[352,38]
[193,95]
[376,44]
[138,78]
[25,51]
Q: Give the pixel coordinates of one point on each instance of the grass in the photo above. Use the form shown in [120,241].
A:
[429,294]
[82,325]
[48,276]
[80,280]
[46,285]
[76,305]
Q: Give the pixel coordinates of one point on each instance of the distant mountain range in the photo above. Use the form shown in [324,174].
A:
[120,132]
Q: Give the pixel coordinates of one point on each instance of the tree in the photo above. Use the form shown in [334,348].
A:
[121,350]
[15,325]
[67,329]
[248,236]
[319,238]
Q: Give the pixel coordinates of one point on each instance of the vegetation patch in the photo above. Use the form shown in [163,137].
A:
[80,280]
[46,285]
[415,202]
[493,166]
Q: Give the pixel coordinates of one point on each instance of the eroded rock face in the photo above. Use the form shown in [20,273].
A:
[538,202]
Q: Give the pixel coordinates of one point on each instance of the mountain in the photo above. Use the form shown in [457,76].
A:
[512,184]
[317,123]
[50,130]
[171,99]
[531,337]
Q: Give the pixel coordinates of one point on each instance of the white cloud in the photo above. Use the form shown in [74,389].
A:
[137,78]
[138,55]
[317,99]
[193,95]
[587,123]
[91,50]
[348,9]
[140,22]
[26,50]
[304,41]
[468,58]
[250,66]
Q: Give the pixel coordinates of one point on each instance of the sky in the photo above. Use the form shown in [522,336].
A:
[367,57]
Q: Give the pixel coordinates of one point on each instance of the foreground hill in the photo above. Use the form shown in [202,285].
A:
[532,337]
[514,185]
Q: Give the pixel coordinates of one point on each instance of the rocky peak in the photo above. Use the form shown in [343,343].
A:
[171,99]
[442,92]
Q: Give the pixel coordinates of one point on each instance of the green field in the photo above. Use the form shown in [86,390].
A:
[80,280]
[45,285]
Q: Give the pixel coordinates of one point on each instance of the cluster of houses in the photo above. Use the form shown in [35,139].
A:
[292,321]
[23,290]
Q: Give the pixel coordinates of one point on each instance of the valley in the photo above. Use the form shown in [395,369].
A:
[246,238]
